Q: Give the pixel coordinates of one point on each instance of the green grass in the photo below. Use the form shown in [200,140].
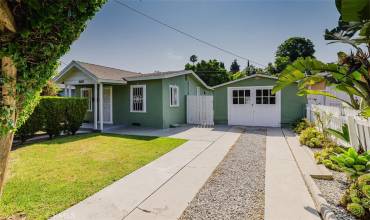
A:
[48,177]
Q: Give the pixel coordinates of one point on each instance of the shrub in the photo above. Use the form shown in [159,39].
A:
[311,137]
[356,209]
[356,199]
[352,163]
[53,112]
[301,125]
[323,156]
[55,115]
[33,125]
[74,114]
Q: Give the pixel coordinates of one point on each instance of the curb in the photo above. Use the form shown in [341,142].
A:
[320,202]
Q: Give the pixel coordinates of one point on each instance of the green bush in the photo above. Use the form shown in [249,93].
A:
[74,114]
[311,137]
[352,163]
[54,115]
[33,125]
[301,125]
[356,199]
[323,156]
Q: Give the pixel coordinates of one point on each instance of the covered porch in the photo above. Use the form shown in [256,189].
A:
[95,83]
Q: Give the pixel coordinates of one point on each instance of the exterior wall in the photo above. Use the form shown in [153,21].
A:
[292,106]
[153,117]
[89,116]
[158,113]
[187,86]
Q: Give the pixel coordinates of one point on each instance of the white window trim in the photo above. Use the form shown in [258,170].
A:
[197,91]
[89,90]
[144,98]
[177,96]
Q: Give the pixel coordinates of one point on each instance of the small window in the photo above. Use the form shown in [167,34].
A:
[265,96]
[241,96]
[87,93]
[174,96]
[138,98]
[198,91]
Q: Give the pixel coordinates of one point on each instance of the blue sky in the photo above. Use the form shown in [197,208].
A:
[120,38]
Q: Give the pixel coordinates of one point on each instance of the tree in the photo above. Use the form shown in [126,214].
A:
[235,67]
[251,69]
[351,74]
[289,51]
[212,72]
[33,37]
[296,47]
[193,59]
[50,89]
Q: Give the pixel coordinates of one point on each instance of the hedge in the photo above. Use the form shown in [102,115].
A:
[54,115]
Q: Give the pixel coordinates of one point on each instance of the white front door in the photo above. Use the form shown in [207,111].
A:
[107,104]
[253,106]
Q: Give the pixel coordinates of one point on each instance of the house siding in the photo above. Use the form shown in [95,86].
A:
[89,116]
[187,86]
[153,116]
[292,106]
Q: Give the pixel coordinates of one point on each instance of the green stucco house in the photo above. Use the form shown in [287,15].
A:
[122,97]
[159,99]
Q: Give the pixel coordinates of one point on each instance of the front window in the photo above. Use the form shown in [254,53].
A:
[265,97]
[138,98]
[241,96]
[87,93]
[174,96]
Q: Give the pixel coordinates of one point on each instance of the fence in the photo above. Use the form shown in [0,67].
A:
[199,110]
[335,117]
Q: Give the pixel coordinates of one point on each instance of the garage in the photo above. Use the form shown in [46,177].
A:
[249,102]
[253,106]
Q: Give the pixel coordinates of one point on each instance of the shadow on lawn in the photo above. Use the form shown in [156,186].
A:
[78,137]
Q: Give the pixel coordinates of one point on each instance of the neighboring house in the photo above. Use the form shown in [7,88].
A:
[159,99]
[324,100]
[249,101]
[123,97]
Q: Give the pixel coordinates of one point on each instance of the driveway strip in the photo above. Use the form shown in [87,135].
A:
[286,195]
[119,199]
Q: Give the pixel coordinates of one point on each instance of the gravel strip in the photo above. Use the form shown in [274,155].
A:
[333,191]
[235,190]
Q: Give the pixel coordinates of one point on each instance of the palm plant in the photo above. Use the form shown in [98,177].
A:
[351,74]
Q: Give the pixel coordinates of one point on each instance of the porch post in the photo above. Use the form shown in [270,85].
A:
[95,106]
[65,90]
[101,105]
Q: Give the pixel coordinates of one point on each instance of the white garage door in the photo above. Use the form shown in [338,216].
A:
[254,106]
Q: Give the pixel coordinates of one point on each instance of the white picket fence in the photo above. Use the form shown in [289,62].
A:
[335,117]
[199,110]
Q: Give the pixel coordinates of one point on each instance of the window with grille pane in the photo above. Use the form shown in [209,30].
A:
[241,96]
[138,98]
[87,93]
[265,97]
[174,96]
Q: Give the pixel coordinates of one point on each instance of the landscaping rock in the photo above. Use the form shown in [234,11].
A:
[333,191]
[235,190]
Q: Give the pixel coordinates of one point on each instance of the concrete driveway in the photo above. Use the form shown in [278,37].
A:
[163,188]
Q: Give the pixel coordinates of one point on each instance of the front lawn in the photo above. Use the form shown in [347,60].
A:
[46,178]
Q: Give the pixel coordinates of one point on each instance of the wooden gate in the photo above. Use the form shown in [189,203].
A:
[199,110]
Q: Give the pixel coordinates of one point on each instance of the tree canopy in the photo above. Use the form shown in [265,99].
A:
[45,31]
[351,74]
[234,67]
[212,72]
[289,51]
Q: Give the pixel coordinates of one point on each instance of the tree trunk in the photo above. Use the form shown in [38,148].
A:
[8,94]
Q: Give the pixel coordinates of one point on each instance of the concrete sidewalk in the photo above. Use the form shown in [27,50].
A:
[286,195]
[161,189]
